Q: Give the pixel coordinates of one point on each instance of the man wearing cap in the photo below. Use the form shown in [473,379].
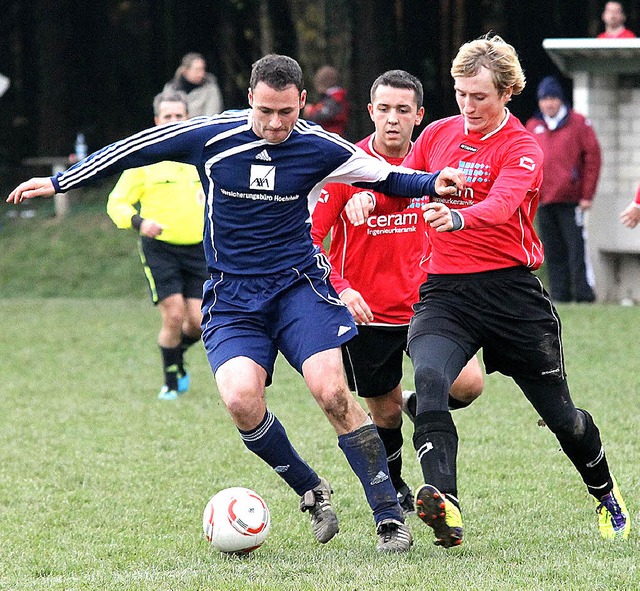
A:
[572,163]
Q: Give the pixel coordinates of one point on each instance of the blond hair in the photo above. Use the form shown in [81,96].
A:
[495,54]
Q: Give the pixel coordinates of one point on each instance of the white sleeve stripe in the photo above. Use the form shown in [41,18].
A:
[304,128]
[142,139]
[123,148]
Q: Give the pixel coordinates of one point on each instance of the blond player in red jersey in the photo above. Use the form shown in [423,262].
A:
[376,271]
[481,293]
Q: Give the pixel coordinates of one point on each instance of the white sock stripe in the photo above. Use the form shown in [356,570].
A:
[598,459]
[260,432]
[394,456]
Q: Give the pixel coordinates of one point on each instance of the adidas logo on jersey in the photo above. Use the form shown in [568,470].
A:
[264,155]
[343,329]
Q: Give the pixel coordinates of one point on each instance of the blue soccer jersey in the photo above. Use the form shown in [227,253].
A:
[259,195]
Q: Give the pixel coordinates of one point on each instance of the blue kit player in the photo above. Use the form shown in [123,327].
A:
[262,170]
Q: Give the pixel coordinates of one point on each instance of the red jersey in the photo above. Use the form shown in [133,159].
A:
[503,170]
[380,259]
[623,34]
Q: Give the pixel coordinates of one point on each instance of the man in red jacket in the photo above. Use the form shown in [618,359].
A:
[376,270]
[332,109]
[572,163]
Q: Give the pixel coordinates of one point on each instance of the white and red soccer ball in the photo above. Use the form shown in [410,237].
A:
[236,520]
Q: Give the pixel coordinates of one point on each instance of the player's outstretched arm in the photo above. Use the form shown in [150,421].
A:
[359,207]
[450,181]
[35,187]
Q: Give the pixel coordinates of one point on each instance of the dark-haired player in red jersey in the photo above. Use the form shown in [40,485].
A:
[481,293]
[376,271]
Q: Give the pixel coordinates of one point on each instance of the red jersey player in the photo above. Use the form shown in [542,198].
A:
[376,271]
[480,292]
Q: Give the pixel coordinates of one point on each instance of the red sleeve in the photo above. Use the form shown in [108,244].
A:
[592,162]
[332,200]
[520,173]
[637,199]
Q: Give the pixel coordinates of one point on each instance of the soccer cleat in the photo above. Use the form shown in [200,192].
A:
[439,513]
[166,394]
[324,521]
[613,518]
[409,404]
[183,382]
[393,536]
[405,499]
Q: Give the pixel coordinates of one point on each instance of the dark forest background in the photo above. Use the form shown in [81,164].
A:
[94,66]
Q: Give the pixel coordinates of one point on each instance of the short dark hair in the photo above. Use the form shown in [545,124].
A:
[277,72]
[169,96]
[399,79]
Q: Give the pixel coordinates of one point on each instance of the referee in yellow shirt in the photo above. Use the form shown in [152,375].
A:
[170,221]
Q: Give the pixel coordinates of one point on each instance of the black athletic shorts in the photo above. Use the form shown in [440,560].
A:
[373,359]
[173,268]
[507,312]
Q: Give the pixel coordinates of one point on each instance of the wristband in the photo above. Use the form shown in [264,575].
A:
[457,221]
[136,221]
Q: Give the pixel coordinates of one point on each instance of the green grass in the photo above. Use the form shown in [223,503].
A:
[102,487]
[82,255]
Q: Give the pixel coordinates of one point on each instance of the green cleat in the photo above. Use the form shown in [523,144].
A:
[441,514]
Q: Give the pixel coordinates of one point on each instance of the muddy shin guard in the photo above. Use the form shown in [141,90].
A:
[366,456]
[586,452]
[436,442]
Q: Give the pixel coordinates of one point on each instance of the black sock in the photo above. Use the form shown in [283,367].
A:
[392,441]
[185,342]
[586,453]
[436,441]
[171,358]
[455,404]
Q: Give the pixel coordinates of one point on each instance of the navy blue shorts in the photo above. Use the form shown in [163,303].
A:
[296,312]
[507,312]
[373,359]
[173,268]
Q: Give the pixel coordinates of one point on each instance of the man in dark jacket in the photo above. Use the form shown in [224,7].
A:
[572,163]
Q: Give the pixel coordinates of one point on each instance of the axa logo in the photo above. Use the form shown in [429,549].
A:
[262,177]
[528,163]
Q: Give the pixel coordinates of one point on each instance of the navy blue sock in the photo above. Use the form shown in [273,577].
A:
[269,442]
[367,458]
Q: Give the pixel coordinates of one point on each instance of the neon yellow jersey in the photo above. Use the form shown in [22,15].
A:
[169,193]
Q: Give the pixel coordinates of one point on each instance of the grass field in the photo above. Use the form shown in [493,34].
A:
[102,487]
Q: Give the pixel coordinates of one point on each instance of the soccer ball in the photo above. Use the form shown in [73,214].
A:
[236,520]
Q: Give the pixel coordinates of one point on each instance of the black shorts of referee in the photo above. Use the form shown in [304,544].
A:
[506,312]
[373,359]
[173,268]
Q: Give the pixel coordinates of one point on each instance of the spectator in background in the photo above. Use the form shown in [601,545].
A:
[170,223]
[332,109]
[630,217]
[614,17]
[201,87]
[571,169]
